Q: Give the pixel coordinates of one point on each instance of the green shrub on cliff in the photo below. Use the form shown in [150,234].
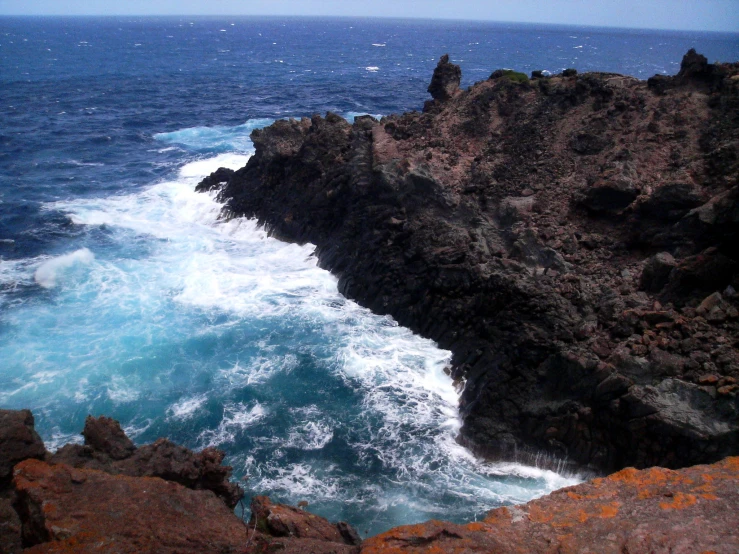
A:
[515,76]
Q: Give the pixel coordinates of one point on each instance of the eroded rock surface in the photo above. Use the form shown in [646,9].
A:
[557,234]
[18,441]
[107,448]
[82,510]
[655,510]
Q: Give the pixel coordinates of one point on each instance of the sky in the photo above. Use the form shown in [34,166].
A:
[706,15]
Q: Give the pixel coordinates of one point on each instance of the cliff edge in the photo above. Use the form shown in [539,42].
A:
[572,239]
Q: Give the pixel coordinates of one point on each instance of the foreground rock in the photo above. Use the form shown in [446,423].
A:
[107,448]
[109,496]
[655,510]
[574,240]
[18,441]
[81,510]
[57,508]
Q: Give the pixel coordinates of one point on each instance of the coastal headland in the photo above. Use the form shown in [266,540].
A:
[572,239]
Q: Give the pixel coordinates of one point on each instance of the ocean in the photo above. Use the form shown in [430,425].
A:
[122,292]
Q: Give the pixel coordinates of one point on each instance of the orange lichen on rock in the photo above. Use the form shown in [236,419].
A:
[630,511]
[679,502]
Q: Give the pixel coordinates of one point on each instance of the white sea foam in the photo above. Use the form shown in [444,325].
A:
[47,273]
[312,435]
[298,481]
[236,418]
[187,407]
[217,138]
[351,116]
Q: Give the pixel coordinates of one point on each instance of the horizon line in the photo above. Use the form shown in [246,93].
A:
[400,18]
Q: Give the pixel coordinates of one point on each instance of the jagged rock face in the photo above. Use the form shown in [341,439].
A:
[512,224]
[445,82]
[287,528]
[18,441]
[107,448]
[655,510]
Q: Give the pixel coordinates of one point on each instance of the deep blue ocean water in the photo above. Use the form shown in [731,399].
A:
[121,292]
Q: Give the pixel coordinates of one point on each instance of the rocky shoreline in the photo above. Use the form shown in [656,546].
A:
[571,238]
[107,496]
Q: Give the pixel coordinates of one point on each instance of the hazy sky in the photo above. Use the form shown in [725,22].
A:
[713,15]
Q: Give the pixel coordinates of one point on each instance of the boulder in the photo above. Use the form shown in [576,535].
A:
[609,196]
[105,435]
[279,520]
[671,202]
[656,272]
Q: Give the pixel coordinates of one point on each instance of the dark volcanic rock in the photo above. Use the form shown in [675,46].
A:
[108,449]
[657,271]
[10,528]
[105,435]
[512,225]
[446,79]
[215,180]
[18,441]
[610,196]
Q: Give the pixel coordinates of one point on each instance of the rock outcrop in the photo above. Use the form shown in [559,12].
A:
[654,510]
[110,497]
[445,81]
[54,508]
[18,441]
[108,449]
[558,234]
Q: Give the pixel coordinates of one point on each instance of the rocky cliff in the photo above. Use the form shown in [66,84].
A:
[170,500]
[571,238]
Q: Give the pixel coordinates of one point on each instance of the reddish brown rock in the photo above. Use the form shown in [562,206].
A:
[278,520]
[83,511]
[108,449]
[656,510]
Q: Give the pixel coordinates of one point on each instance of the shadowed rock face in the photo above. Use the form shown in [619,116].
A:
[446,79]
[18,441]
[512,223]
